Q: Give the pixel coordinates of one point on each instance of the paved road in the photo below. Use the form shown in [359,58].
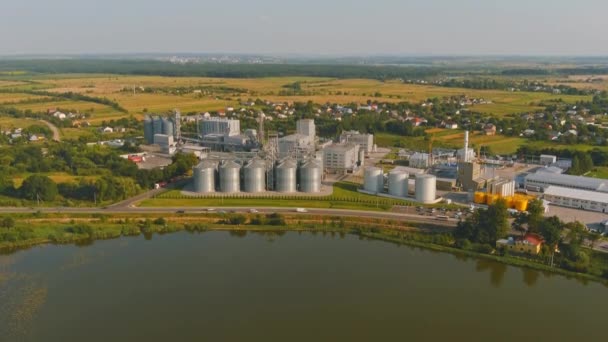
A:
[199,210]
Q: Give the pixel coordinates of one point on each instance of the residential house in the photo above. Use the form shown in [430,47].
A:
[489,129]
[528,244]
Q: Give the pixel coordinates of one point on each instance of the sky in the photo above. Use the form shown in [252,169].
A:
[305,27]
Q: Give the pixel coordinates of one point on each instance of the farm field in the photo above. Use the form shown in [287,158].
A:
[498,144]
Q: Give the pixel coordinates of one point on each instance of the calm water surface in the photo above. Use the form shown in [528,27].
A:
[219,286]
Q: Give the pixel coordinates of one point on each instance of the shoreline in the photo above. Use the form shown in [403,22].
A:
[87,229]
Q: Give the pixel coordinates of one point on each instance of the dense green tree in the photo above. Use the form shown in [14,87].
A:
[7,222]
[38,187]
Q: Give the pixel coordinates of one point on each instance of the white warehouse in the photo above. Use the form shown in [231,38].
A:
[542,180]
[575,198]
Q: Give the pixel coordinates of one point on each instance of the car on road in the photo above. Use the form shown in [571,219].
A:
[180,212]
[253,211]
[210,209]
[301,210]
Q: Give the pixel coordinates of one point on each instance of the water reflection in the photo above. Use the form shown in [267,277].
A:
[530,276]
[497,270]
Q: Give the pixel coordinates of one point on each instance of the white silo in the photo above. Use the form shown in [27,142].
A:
[285,176]
[426,186]
[204,176]
[254,176]
[373,180]
[230,176]
[397,183]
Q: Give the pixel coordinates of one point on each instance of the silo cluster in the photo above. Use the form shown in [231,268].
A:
[251,176]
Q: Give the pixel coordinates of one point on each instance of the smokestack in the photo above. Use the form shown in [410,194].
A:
[466,146]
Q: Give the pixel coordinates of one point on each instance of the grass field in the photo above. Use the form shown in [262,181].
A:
[599,172]
[453,139]
[7,123]
[345,196]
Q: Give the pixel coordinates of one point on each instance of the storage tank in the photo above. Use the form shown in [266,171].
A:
[204,176]
[148,130]
[397,183]
[230,176]
[285,175]
[491,199]
[373,180]
[480,197]
[426,186]
[168,127]
[254,176]
[157,125]
[310,176]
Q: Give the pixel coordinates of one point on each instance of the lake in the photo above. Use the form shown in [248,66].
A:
[220,286]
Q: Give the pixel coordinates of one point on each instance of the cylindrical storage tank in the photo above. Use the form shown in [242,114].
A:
[310,176]
[204,177]
[148,130]
[521,204]
[426,187]
[373,177]
[230,176]
[168,127]
[254,176]
[397,183]
[157,126]
[285,176]
[480,197]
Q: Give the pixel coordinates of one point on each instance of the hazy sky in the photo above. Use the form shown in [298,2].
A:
[347,27]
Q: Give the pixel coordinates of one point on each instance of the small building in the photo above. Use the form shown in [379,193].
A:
[528,244]
[489,129]
[547,159]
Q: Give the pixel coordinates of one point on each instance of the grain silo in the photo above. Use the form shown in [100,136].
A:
[373,180]
[148,130]
[157,125]
[310,176]
[168,127]
[254,176]
[397,183]
[230,176]
[361,157]
[285,176]
[426,186]
[204,176]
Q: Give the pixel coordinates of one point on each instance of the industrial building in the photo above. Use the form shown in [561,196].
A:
[420,160]
[470,176]
[301,142]
[166,143]
[365,141]
[219,126]
[541,180]
[576,198]
[342,158]
[501,187]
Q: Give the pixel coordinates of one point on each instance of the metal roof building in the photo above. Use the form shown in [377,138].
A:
[546,179]
[576,198]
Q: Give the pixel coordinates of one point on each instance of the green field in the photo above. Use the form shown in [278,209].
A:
[345,196]
[498,144]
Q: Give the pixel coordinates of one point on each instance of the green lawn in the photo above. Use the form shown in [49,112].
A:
[599,172]
[345,196]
